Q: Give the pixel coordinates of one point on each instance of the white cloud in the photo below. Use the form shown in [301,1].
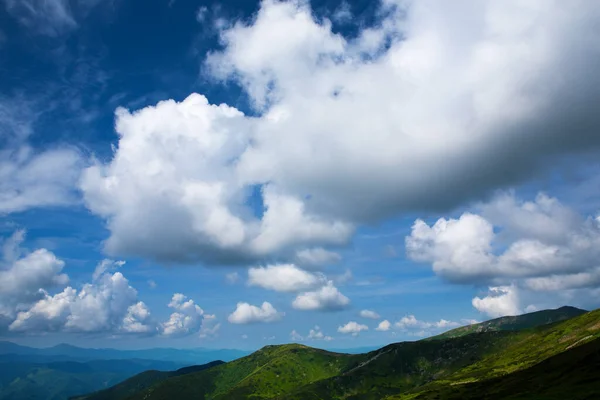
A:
[232,278]
[152,284]
[314,334]
[490,80]
[283,278]
[210,327]
[327,298]
[29,177]
[24,275]
[547,245]
[369,314]
[316,257]
[201,207]
[246,314]
[353,327]
[410,322]
[384,326]
[501,301]
[295,336]
[187,318]
[109,299]
[201,13]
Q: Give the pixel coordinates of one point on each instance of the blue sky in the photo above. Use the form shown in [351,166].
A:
[286,165]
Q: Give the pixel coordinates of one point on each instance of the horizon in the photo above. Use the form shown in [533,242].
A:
[250,350]
[341,174]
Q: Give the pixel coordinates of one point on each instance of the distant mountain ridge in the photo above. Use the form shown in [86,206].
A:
[65,351]
[143,381]
[516,322]
[509,347]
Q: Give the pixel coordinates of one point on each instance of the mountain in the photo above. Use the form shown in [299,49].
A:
[61,379]
[143,381]
[515,323]
[423,369]
[68,352]
[572,374]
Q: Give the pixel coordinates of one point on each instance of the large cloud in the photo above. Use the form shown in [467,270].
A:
[24,275]
[437,104]
[539,242]
[108,298]
[524,250]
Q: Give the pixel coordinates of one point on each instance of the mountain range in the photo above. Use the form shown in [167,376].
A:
[550,354]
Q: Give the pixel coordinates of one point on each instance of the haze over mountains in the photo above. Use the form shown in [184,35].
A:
[521,356]
[504,350]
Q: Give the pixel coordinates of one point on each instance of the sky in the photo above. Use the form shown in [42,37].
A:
[184,174]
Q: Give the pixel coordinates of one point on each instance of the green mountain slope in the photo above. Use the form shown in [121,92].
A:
[572,375]
[269,372]
[397,371]
[463,359]
[143,381]
[515,323]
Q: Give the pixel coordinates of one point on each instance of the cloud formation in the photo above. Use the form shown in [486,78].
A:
[284,278]
[369,314]
[247,314]
[353,328]
[24,276]
[511,85]
[384,326]
[327,298]
[108,298]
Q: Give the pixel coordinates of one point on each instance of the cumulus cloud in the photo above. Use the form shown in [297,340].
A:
[369,314]
[108,298]
[314,334]
[187,318]
[283,278]
[210,327]
[247,314]
[543,239]
[501,301]
[384,326]
[498,79]
[513,246]
[353,327]
[202,212]
[24,275]
[410,322]
[327,298]
[316,257]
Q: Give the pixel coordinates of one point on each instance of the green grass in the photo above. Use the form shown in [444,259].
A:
[463,365]
[142,381]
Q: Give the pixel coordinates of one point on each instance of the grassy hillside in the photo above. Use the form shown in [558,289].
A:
[427,369]
[404,366]
[515,323]
[572,375]
[269,372]
[143,381]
